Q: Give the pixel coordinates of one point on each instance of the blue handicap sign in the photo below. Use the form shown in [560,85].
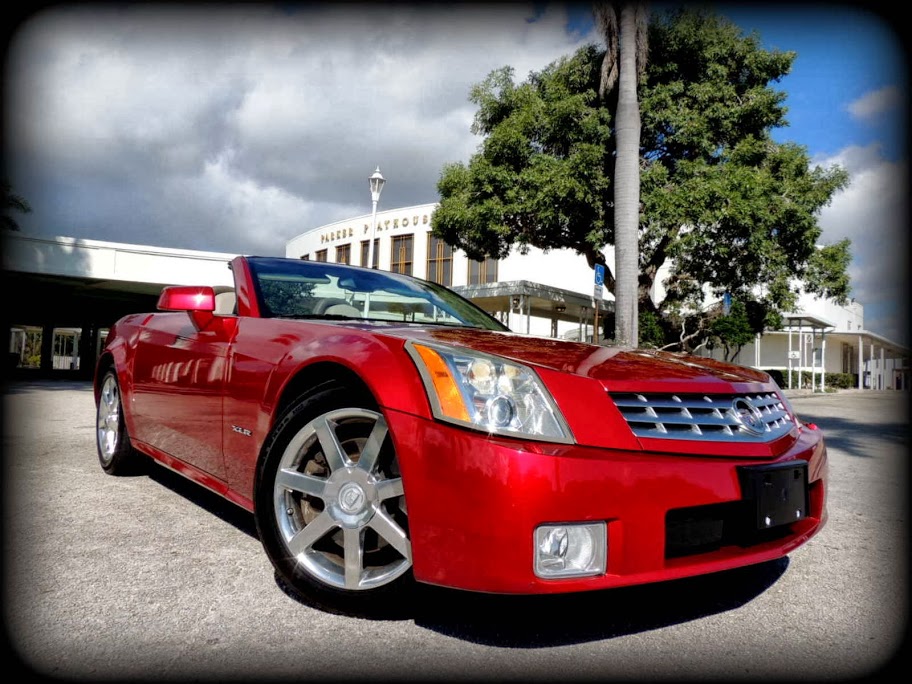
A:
[599,274]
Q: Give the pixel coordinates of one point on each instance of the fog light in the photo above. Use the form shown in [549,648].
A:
[571,550]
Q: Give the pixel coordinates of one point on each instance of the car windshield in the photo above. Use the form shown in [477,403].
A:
[287,288]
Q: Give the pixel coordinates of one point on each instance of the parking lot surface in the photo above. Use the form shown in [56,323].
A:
[151,577]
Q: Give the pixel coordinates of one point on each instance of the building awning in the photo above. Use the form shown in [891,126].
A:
[802,319]
[534,299]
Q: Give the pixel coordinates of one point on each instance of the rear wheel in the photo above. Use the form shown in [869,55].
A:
[330,505]
[115,452]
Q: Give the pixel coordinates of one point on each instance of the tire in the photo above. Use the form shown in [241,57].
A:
[115,451]
[330,507]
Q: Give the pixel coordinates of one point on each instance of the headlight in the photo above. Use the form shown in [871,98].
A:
[488,393]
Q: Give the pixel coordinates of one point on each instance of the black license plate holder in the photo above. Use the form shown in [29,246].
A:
[777,494]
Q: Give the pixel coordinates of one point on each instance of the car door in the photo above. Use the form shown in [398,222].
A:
[179,380]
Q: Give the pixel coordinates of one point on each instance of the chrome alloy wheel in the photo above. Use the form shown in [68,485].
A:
[339,503]
[108,420]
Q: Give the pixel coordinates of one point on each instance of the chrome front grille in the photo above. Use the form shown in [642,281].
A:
[707,417]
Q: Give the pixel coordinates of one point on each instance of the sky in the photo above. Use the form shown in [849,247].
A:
[235,127]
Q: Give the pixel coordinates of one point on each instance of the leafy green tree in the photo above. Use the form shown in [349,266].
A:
[540,178]
[723,207]
[651,332]
[12,202]
[732,331]
[406,310]
[828,271]
[288,298]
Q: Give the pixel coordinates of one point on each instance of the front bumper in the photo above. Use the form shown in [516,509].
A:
[475,500]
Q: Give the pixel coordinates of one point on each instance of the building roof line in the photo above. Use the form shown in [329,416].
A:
[123,247]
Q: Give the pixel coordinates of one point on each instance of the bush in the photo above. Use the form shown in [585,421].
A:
[840,380]
[832,381]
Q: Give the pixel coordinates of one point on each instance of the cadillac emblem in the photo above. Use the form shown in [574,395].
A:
[748,416]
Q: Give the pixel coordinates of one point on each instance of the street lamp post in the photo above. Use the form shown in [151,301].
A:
[377,182]
[376,185]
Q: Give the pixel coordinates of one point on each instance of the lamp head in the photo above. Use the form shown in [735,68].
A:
[376,184]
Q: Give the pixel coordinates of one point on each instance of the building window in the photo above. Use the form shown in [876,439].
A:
[320,255]
[343,254]
[25,345]
[439,261]
[401,254]
[365,245]
[305,257]
[482,271]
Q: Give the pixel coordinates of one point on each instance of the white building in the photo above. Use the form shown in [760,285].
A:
[551,293]
[69,291]
[538,293]
[65,293]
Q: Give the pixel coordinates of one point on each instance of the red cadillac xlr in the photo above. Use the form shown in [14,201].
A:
[383,430]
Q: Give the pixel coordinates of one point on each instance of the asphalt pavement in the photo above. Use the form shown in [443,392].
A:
[151,577]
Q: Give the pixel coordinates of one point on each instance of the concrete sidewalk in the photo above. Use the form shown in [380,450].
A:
[793,393]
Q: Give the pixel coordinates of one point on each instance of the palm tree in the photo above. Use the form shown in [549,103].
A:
[623,64]
[12,202]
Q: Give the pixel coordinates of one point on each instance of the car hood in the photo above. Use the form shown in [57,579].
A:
[587,382]
[617,369]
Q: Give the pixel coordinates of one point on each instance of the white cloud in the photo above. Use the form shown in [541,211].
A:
[873,213]
[280,111]
[877,102]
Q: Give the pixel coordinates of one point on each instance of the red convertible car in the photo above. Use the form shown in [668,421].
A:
[383,430]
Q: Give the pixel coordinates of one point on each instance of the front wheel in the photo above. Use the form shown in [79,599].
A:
[330,506]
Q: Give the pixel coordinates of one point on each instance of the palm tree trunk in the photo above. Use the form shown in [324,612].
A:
[627,184]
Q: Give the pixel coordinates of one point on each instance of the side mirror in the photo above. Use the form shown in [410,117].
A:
[187,298]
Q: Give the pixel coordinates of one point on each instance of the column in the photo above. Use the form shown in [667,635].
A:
[823,360]
[813,359]
[790,356]
[883,371]
[528,302]
[871,364]
[860,362]
[87,346]
[47,350]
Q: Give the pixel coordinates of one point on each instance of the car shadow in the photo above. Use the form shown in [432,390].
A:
[856,438]
[211,502]
[564,619]
[530,621]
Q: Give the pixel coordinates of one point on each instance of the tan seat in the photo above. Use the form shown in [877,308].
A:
[226,303]
[343,310]
[334,305]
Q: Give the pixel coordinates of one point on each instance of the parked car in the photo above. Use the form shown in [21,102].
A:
[385,431]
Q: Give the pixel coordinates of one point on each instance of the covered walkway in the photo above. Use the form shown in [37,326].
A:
[518,301]
[63,294]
